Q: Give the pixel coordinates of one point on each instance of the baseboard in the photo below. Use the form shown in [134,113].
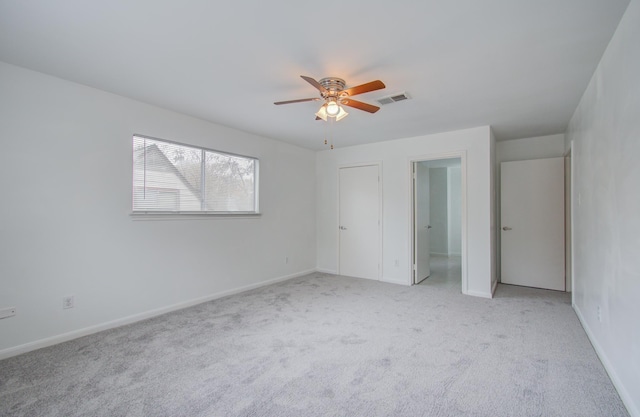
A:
[493,288]
[326,271]
[632,408]
[395,281]
[479,294]
[54,340]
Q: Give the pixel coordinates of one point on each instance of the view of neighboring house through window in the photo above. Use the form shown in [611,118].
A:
[171,177]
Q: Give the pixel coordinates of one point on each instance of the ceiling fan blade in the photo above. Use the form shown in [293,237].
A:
[359,105]
[302,100]
[314,83]
[364,88]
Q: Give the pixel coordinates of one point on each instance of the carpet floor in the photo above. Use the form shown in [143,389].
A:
[325,345]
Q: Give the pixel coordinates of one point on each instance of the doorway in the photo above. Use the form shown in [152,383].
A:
[438,221]
[359,217]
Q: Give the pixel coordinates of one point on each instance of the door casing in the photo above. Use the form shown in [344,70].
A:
[422,220]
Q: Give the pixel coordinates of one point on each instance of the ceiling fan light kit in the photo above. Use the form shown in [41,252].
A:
[324,113]
[333,108]
[341,114]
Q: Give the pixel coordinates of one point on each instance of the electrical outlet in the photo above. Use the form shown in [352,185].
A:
[7,312]
[68,302]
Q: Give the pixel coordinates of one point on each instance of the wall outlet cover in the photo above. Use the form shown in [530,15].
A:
[68,302]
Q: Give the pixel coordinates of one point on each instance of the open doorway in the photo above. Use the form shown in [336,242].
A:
[438,222]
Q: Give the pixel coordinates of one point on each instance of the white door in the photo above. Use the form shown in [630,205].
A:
[421,220]
[359,222]
[532,223]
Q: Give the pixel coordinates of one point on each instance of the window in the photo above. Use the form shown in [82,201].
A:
[174,178]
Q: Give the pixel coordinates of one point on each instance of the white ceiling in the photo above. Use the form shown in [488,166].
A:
[520,66]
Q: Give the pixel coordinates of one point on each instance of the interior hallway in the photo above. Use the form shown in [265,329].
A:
[446,272]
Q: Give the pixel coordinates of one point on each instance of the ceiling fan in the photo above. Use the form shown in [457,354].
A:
[333,92]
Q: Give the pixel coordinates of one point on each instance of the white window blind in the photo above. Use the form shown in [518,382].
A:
[177,178]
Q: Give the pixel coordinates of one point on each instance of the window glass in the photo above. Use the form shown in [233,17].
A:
[171,177]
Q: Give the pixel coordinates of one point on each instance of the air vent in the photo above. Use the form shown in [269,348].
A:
[394,98]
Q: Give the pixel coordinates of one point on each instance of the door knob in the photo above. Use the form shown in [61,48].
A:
[429,227]
[506,228]
[343,228]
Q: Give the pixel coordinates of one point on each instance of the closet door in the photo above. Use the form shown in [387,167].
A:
[359,222]
[532,223]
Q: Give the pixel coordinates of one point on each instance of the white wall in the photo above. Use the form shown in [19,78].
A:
[455,210]
[605,130]
[439,212]
[396,188]
[530,148]
[493,203]
[65,224]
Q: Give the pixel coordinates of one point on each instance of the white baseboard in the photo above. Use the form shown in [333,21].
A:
[479,294]
[326,271]
[395,281]
[54,340]
[632,408]
[493,288]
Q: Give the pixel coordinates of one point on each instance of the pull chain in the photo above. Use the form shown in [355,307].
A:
[328,133]
[331,131]
[325,133]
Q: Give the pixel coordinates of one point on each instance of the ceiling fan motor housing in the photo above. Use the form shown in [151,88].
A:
[333,85]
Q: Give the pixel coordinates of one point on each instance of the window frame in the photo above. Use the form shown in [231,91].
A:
[170,214]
